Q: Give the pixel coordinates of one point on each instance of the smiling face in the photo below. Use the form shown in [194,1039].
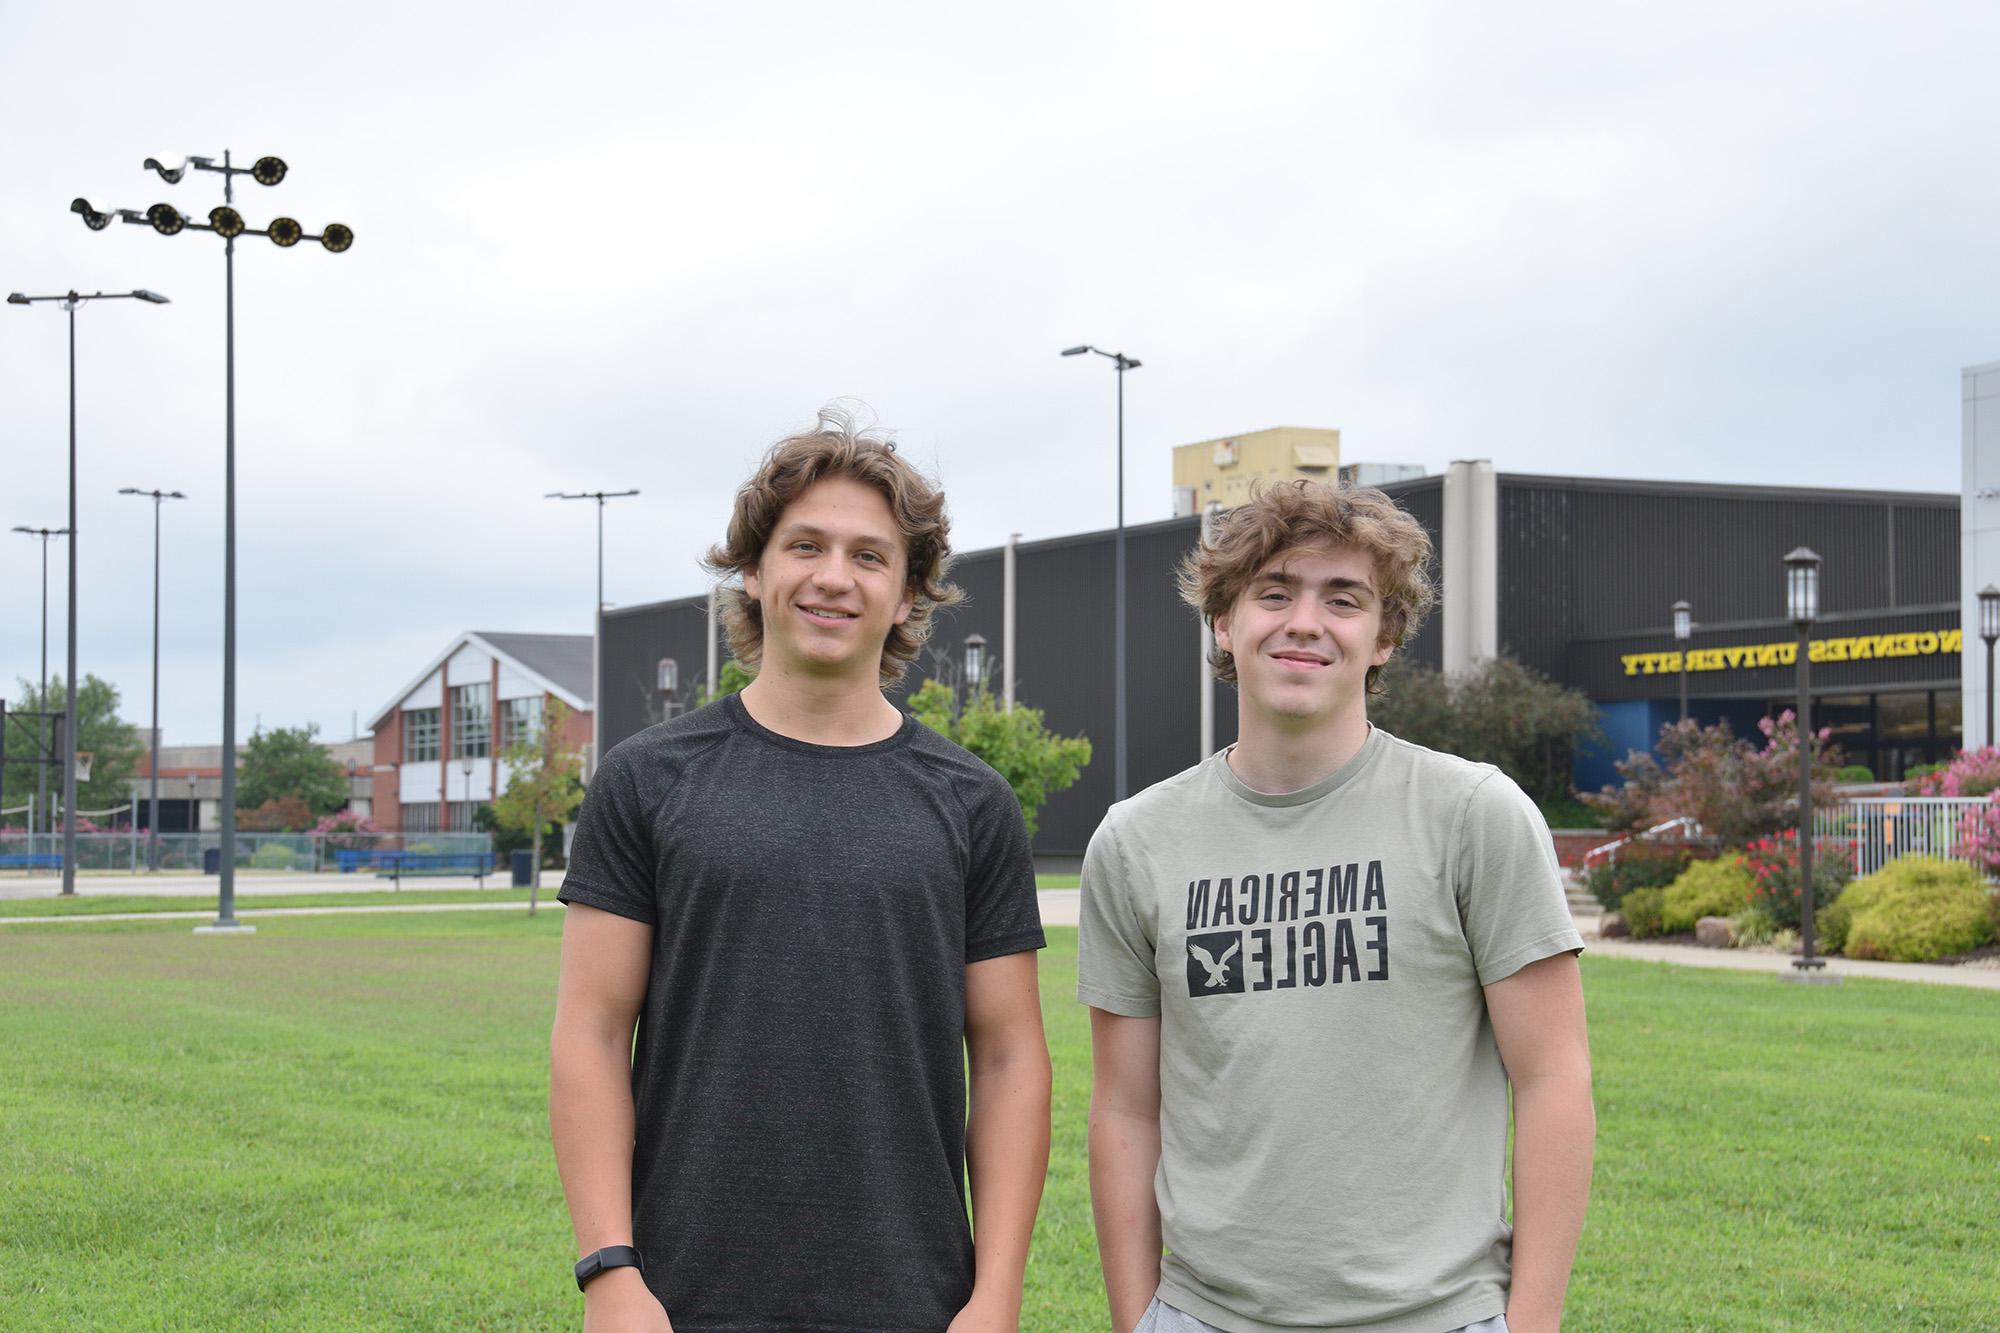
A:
[832,582]
[1304,633]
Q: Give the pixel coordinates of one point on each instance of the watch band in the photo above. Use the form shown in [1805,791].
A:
[611,1256]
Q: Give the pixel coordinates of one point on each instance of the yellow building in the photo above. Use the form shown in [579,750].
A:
[1229,469]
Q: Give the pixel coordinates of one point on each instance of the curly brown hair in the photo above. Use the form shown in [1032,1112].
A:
[836,447]
[1301,513]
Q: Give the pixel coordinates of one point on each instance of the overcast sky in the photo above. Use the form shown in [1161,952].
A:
[631,246]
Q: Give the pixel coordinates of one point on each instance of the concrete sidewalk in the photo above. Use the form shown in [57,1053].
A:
[263,883]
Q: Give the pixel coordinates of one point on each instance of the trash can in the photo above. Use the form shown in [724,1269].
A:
[524,868]
[211,860]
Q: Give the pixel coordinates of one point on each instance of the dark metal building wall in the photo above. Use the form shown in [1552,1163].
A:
[1423,500]
[1581,559]
[1927,564]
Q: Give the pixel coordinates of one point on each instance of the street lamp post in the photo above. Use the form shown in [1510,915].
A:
[45,536]
[153,799]
[1802,605]
[1120,784]
[597,622]
[1989,630]
[194,820]
[465,789]
[1683,630]
[70,301]
[283,232]
[975,663]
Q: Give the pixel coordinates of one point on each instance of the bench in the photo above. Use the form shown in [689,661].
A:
[30,860]
[395,865]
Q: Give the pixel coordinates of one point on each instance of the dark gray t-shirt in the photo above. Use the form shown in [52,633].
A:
[799,1068]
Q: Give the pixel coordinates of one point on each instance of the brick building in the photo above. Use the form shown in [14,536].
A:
[437,744]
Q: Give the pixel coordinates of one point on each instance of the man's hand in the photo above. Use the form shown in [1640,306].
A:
[618,1301]
[986,1316]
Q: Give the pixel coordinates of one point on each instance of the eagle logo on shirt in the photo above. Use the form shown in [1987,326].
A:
[1218,968]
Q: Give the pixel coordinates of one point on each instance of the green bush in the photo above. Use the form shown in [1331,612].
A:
[1832,923]
[1706,888]
[272,856]
[1752,925]
[1637,865]
[1854,773]
[1912,910]
[1644,911]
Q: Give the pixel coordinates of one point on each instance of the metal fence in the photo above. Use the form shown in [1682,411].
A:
[1884,828]
[305,853]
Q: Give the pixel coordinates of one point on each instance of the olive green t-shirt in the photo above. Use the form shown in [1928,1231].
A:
[1333,1111]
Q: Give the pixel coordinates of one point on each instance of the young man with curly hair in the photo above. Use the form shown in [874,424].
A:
[820,916]
[1317,963]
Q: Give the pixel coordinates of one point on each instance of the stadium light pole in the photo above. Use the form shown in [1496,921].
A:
[1120,784]
[1802,606]
[1683,631]
[597,625]
[45,536]
[153,798]
[283,232]
[70,301]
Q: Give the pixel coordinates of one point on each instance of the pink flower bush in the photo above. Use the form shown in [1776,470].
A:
[1970,773]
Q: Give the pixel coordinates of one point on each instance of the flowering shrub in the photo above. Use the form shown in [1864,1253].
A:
[1737,789]
[1969,773]
[344,821]
[1638,865]
[1773,863]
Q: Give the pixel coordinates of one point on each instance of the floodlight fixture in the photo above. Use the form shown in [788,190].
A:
[17,298]
[166,219]
[150,298]
[93,218]
[1075,351]
[226,222]
[284,232]
[337,237]
[267,170]
[171,175]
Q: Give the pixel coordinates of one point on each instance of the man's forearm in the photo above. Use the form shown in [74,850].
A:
[1007,1158]
[591,1121]
[1124,1154]
[1555,1133]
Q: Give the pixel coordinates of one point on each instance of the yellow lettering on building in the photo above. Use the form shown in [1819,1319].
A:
[1854,648]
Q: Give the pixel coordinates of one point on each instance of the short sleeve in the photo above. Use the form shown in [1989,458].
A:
[611,855]
[1002,914]
[1116,941]
[1508,882]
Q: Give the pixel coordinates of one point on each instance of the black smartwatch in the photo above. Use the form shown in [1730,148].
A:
[611,1256]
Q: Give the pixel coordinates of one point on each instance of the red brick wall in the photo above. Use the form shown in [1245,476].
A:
[388,773]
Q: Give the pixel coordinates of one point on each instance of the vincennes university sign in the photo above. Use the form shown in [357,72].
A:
[1858,648]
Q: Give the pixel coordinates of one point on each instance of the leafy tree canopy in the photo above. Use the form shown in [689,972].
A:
[1499,713]
[1036,762]
[114,744]
[287,761]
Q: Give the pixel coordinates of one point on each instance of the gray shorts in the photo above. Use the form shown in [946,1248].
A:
[1163,1318]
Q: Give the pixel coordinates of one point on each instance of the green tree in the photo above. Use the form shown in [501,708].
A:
[733,677]
[544,783]
[1499,713]
[287,761]
[114,745]
[1018,745]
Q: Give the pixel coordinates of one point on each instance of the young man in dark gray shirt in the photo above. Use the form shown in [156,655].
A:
[821,917]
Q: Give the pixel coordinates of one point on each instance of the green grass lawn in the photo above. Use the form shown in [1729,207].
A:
[339,1123]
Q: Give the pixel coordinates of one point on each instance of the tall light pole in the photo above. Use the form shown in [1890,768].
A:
[465,789]
[1120,784]
[1802,605]
[1683,630]
[226,222]
[153,799]
[45,536]
[597,625]
[1989,630]
[70,301]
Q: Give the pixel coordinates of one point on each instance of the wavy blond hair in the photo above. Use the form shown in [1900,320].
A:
[837,447]
[1311,514]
